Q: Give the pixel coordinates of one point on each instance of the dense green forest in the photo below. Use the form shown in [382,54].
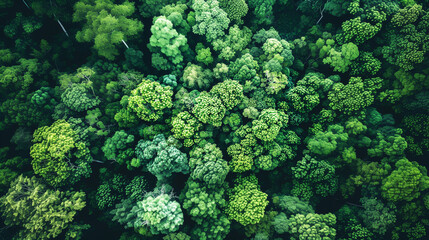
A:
[214,119]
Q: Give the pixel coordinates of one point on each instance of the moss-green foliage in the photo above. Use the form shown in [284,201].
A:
[313,176]
[207,165]
[312,226]
[354,96]
[59,156]
[246,202]
[236,9]
[236,40]
[149,100]
[202,203]
[405,182]
[39,212]
[106,25]
[118,148]
[408,37]
[209,109]
[253,119]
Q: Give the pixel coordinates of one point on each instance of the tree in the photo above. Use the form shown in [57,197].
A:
[207,165]
[236,9]
[356,95]
[118,149]
[210,19]
[78,98]
[209,109]
[202,203]
[41,213]
[406,182]
[160,158]
[149,100]
[246,202]
[167,41]
[160,212]
[106,24]
[312,226]
[59,156]
[230,92]
[268,124]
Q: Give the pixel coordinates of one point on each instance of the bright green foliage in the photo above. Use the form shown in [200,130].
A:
[246,202]
[166,40]
[209,109]
[291,205]
[277,53]
[312,226]
[117,148]
[230,92]
[185,126]
[212,229]
[356,95]
[202,203]
[324,143]
[377,216]
[211,20]
[236,40]
[236,9]
[265,155]
[175,12]
[268,124]
[106,24]
[196,77]
[274,82]
[160,158]
[318,176]
[58,154]
[78,98]
[341,61]
[308,92]
[406,182]
[204,55]
[41,213]
[263,11]
[207,165]
[409,38]
[161,213]
[149,100]
[243,69]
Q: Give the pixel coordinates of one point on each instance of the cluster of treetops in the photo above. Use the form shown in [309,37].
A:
[214,119]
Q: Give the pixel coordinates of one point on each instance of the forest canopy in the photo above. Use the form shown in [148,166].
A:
[214,119]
